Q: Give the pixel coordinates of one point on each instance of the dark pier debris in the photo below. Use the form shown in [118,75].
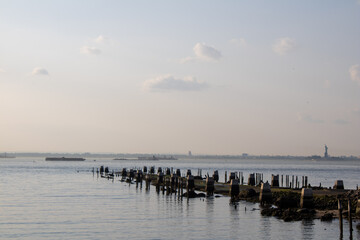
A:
[287,201]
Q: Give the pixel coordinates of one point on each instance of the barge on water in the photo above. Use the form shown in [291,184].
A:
[64,159]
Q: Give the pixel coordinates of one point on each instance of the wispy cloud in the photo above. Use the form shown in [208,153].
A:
[356,111]
[170,83]
[204,52]
[240,42]
[354,71]
[40,71]
[90,50]
[341,122]
[284,45]
[309,119]
[100,39]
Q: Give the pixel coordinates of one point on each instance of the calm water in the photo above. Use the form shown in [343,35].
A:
[63,200]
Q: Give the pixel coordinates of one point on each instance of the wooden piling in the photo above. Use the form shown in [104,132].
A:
[340,217]
[350,217]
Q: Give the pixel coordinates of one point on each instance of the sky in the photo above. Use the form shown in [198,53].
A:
[214,77]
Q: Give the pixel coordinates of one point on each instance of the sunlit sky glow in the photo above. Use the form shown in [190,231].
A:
[213,77]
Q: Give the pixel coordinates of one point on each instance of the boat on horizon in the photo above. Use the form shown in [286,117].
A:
[156,158]
[64,159]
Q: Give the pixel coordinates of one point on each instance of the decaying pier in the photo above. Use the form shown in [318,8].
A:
[285,196]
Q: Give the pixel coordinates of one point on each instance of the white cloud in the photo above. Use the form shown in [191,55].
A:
[40,71]
[100,39]
[170,83]
[206,52]
[90,50]
[241,42]
[284,45]
[354,71]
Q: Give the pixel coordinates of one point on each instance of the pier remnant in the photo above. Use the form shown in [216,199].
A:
[275,180]
[265,193]
[216,176]
[340,209]
[190,184]
[178,172]
[234,188]
[307,198]
[339,184]
[232,176]
[210,186]
[251,179]
[358,208]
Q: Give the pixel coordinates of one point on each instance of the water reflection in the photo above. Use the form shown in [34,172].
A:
[307,229]
[265,227]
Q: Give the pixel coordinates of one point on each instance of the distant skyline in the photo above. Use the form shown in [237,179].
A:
[213,77]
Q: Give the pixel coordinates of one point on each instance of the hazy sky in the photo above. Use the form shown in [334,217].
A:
[216,77]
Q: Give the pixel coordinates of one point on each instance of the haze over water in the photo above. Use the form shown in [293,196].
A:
[65,200]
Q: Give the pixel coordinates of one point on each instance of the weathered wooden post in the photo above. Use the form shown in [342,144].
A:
[251,179]
[131,174]
[188,173]
[339,184]
[139,178]
[168,172]
[101,169]
[182,187]
[123,173]
[225,176]
[350,217]
[234,188]
[282,180]
[178,172]
[160,180]
[302,179]
[296,182]
[306,181]
[265,193]
[292,181]
[148,181]
[173,181]
[168,184]
[159,170]
[216,176]
[210,186]
[190,184]
[275,180]
[145,169]
[152,170]
[340,217]
[232,176]
[307,198]
[358,208]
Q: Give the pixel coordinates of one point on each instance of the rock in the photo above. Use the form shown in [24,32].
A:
[286,202]
[248,193]
[326,217]
[193,194]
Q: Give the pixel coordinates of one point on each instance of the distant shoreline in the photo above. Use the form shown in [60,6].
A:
[180,156]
